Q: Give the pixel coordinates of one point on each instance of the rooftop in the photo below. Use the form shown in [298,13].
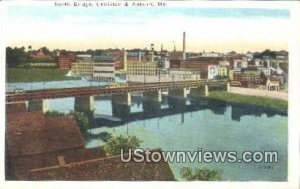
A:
[42,148]
[16,107]
[109,168]
[84,56]
[21,166]
[104,58]
[30,133]
[135,53]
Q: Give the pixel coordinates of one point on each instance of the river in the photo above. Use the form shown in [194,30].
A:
[198,123]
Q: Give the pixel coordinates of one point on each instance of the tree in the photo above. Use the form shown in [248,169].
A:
[98,52]
[90,51]
[269,53]
[187,173]
[55,52]
[45,50]
[16,56]
[54,114]
[200,174]
[116,143]
[82,121]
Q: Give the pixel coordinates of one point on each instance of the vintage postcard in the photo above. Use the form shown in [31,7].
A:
[176,91]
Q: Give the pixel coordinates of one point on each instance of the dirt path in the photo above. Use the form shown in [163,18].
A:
[259,92]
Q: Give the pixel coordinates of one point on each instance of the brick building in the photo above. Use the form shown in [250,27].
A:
[199,64]
[249,77]
[117,55]
[65,61]
[39,54]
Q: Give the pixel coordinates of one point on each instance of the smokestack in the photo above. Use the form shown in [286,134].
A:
[152,47]
[125,60]
[140,56]
[183,48]
[152,57]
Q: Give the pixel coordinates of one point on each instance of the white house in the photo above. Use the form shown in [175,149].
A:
[212,71]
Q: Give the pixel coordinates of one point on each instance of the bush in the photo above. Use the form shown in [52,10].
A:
[116,143]
[16,56]
[200,174]
[54,114]
[41,60]
[82,121]
[105,136]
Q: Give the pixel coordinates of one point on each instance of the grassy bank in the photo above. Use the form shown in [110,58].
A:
[14,75]
[253,100]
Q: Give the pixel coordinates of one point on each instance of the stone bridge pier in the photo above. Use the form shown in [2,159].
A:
[37,105]
[204,90]
[122,98]
[178,93]
[152,96]
[121,105]
[84,104]
[152,102]
[200,91]
[177,98]
[228,87]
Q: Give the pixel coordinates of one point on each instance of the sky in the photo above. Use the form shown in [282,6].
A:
[207,29]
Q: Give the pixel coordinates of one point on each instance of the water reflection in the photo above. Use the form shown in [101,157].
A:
[140,109]
[173,124]
[238,111]
[206,124]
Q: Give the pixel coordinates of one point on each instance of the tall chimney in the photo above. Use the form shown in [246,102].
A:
[183,48]
[152,57]
[125,60]
[152,47]
[140,56]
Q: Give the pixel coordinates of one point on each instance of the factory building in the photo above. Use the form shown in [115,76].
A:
[103,68]
[83,67]
[141,68]
[65,61]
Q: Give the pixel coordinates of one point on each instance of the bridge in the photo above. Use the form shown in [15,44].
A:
[84,96]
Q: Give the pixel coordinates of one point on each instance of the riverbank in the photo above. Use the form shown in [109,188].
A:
[259,92]
[14,75]
[248,99]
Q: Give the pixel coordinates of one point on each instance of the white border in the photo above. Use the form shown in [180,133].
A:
[293,116]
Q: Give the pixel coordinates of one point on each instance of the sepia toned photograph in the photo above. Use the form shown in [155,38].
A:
[146,91]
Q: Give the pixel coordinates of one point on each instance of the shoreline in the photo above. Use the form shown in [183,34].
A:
[259,92]
[261,101]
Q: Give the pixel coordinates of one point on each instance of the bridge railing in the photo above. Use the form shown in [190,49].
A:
[89,91]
